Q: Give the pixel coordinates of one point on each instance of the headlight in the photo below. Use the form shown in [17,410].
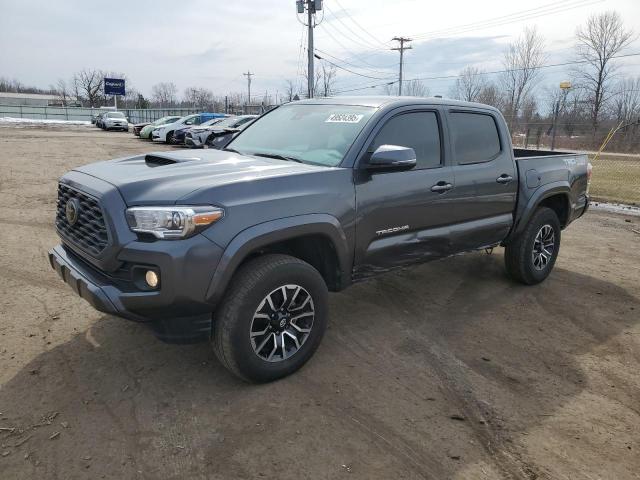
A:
[172,223]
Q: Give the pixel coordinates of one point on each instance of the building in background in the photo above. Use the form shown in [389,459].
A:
[36,100]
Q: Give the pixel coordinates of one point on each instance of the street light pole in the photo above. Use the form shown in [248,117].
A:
[565,87]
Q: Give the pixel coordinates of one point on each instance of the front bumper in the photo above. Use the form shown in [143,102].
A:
[177,311]
[119,126]
[112,281]
[81,281]
[193,142]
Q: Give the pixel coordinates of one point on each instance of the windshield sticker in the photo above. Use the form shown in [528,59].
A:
[344,118]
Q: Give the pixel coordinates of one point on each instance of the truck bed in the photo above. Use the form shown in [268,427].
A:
[543,168]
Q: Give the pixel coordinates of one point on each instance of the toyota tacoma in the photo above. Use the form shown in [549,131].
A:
[241,246]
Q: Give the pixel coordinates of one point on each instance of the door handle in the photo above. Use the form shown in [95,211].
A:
[504,178]
[441,187]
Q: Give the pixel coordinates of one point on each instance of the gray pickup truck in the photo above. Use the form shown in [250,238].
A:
[240,246]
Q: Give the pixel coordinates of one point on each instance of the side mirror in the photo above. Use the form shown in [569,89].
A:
[392,157]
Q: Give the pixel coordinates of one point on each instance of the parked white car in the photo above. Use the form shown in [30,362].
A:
[197,137]
[164,133]
[115,121]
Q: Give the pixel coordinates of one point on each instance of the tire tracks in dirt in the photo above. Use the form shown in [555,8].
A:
[455,380]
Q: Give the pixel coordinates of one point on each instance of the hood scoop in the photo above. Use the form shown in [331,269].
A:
[158,160]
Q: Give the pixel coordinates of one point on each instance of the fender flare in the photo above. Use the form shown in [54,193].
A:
[545,191]
[263,234]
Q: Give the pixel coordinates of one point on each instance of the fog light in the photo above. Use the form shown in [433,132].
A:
[151,278]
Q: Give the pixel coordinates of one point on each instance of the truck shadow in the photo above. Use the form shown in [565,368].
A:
[446,370]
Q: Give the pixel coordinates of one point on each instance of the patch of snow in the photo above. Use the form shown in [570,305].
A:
[42,121]
[616,207]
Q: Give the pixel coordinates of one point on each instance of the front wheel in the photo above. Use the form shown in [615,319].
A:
[169,137]
[531,257]
[272,319]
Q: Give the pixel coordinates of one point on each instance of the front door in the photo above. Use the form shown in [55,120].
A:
[402,216]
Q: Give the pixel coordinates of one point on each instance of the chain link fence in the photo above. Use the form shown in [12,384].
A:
[616,170]
[134,115]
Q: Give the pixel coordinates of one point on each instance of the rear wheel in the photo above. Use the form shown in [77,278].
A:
[272,319]
[531,257]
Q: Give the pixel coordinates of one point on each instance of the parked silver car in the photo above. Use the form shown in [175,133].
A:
[115,121]
[197,137]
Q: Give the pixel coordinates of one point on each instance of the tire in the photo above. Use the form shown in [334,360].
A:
[241,312]
[168,137]
[526,260]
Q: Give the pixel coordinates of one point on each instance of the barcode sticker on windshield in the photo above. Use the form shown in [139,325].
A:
[344,118]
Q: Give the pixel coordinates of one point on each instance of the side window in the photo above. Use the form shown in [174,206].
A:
[191,121]
[417,130]
[475,137]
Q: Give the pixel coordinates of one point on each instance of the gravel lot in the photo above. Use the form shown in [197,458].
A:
[448,370]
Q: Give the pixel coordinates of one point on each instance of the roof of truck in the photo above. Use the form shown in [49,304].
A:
[385,100]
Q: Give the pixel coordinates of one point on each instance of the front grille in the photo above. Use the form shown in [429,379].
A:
[89,231]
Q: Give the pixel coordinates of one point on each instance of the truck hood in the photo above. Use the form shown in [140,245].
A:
[169,177]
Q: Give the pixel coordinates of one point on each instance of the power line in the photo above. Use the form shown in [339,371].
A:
[355,56]
[543,10]
[365,87]
[553,65]
[352,64]
[346,69]
[366,43]
[383,44]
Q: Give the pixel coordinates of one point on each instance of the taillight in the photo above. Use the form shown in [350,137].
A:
[589,174]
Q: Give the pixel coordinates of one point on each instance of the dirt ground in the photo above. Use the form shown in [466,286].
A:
[446,371]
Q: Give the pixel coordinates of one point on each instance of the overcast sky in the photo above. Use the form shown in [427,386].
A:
[210,43]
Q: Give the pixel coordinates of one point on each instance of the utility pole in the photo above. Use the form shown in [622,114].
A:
[248,75]
[311,7]
[401,49]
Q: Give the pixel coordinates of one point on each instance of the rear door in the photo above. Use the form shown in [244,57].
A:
[485,178]
[402,215]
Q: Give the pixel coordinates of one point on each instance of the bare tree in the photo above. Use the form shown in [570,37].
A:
[626,100]
[522,62]
[198,97]
[390,89]
[599,41]
[289,91]
[490,95]
[574,111]
[328,79]
[89,84]
[316,81]
[415,88]
[62,91]
[469,84]
[164,94]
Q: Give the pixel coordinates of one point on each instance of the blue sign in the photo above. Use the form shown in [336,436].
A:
[114,86]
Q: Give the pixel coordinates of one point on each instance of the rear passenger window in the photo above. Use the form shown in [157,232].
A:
[475,137]
[417,130]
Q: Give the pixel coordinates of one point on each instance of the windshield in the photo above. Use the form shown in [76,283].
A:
[163,120]
[115,115]
[317,134]
[211,122]
[227,122]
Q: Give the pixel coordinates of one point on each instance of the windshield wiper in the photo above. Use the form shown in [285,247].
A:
[277,156]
